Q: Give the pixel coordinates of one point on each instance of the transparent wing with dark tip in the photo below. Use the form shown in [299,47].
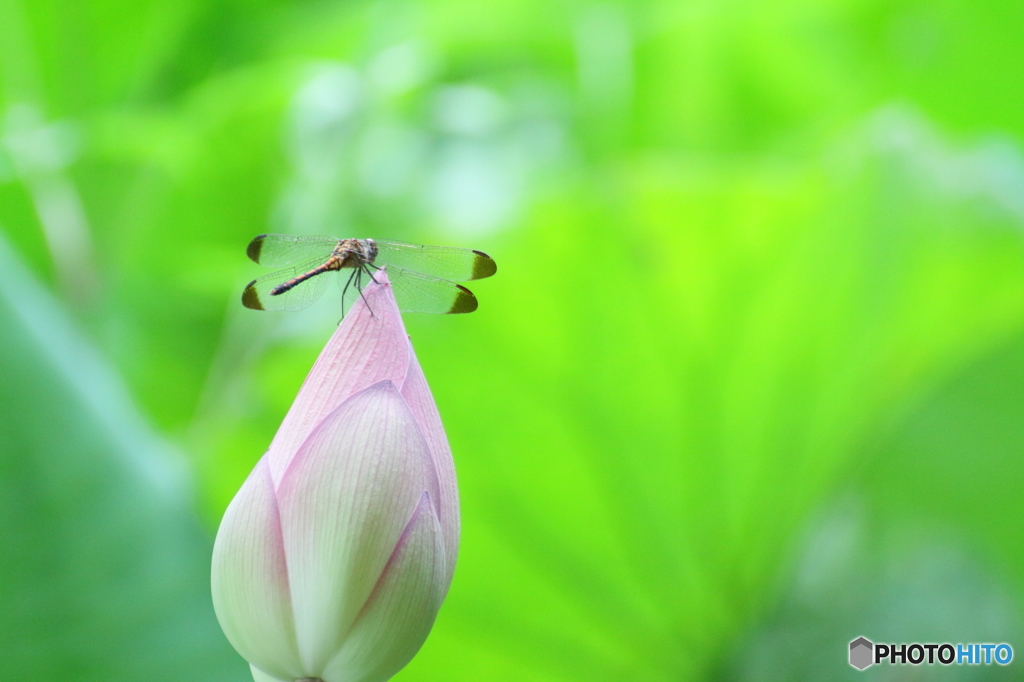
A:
[443,262]
[417,293]
[280,250]
[258,297]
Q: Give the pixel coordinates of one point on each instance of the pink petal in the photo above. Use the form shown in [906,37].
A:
[345,500]
[424,409]
[399,614]
[370,345]
[250,579]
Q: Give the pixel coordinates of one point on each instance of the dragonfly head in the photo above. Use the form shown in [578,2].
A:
[369,253]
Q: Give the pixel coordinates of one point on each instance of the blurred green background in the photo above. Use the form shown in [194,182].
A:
[747,384]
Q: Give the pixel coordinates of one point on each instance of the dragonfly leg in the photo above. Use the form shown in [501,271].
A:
[355,280]
[359,284]
[344,291]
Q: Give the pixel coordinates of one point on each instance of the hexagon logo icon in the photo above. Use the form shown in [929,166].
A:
[860,653]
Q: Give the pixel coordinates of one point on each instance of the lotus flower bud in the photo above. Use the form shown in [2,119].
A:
[334,557]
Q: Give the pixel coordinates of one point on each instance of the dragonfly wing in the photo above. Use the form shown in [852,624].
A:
[418,293]
[280,250]
[258,294]
[444,262]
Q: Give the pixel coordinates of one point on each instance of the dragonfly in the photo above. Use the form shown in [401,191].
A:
[423,278]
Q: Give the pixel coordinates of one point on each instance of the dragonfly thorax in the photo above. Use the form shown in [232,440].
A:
[353,253]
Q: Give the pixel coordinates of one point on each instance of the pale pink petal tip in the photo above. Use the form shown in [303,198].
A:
[370,345]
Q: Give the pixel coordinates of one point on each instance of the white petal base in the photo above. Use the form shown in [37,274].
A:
[397,618]
[260,676]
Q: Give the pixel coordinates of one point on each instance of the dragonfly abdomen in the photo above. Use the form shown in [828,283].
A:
[332,264]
